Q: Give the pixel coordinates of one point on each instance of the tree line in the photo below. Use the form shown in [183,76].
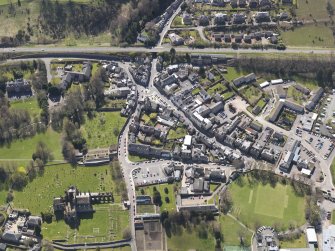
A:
[319,69]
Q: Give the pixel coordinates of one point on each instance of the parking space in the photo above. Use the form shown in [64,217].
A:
[151,173]
[323,145]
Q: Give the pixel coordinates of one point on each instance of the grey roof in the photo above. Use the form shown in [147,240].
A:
[11,237]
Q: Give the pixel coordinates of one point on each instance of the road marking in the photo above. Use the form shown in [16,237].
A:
[251,195]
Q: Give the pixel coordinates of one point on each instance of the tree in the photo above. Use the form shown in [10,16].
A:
[173,55]
[116,131]
[226,201]
[157,199]
[9,197]
[167,199]
[42,152]
[166,190]
[126,233]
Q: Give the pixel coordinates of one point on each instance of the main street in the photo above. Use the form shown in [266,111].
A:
[49,50]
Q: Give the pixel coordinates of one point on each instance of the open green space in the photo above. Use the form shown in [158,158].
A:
[23,149]
[195,91]
[227,95]
[217,88]
[177,22]
[38,195]
[136,158]
[254,203]
[190,241]
[309,36]
[296,96]
[231,231]
[177,133]
[148,190]
[103,130]
[332,169]
[232,73]
[107,224]
[29,105]
[309,10]
[297,243]
[142,209]
[251,93]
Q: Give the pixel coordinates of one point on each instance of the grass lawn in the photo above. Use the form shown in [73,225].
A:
[141,209]
[309,83]
[190,241]
[23,149]
[309,35]
[218,88]
[227,95]
[171,206]
[195,91]
[177,133]
[38,195]
[231,229]
[251,93]
[298,243]
[99,132]
[261,103]
[107,224]
[332,169]
[30,105]
[232,73]
[136,158]
[296,96]
[313,9]
[177,22]
[3,196]
[255,203]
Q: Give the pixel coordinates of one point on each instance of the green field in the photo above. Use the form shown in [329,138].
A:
[23,149]
[190,241]
[309,36]
[263,204]
[171,206]
[99,132]
[38,195]
[195,91]
[298,243]
[296,96]
[29,105]
[231,229]
[232,73]
[317,9]
[177,133]
[107,224]
[218,88]
[332,169]
[227,95]
[136,158]
[141,209]
[251,93]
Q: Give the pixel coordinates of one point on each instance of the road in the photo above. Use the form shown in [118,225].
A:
[327,184]
[53,50]
[167,26]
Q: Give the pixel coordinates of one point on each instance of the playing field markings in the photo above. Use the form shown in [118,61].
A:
[270,202]
[96,230]
[250,196]
[286,201]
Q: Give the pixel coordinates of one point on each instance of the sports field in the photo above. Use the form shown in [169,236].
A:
[259,204]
